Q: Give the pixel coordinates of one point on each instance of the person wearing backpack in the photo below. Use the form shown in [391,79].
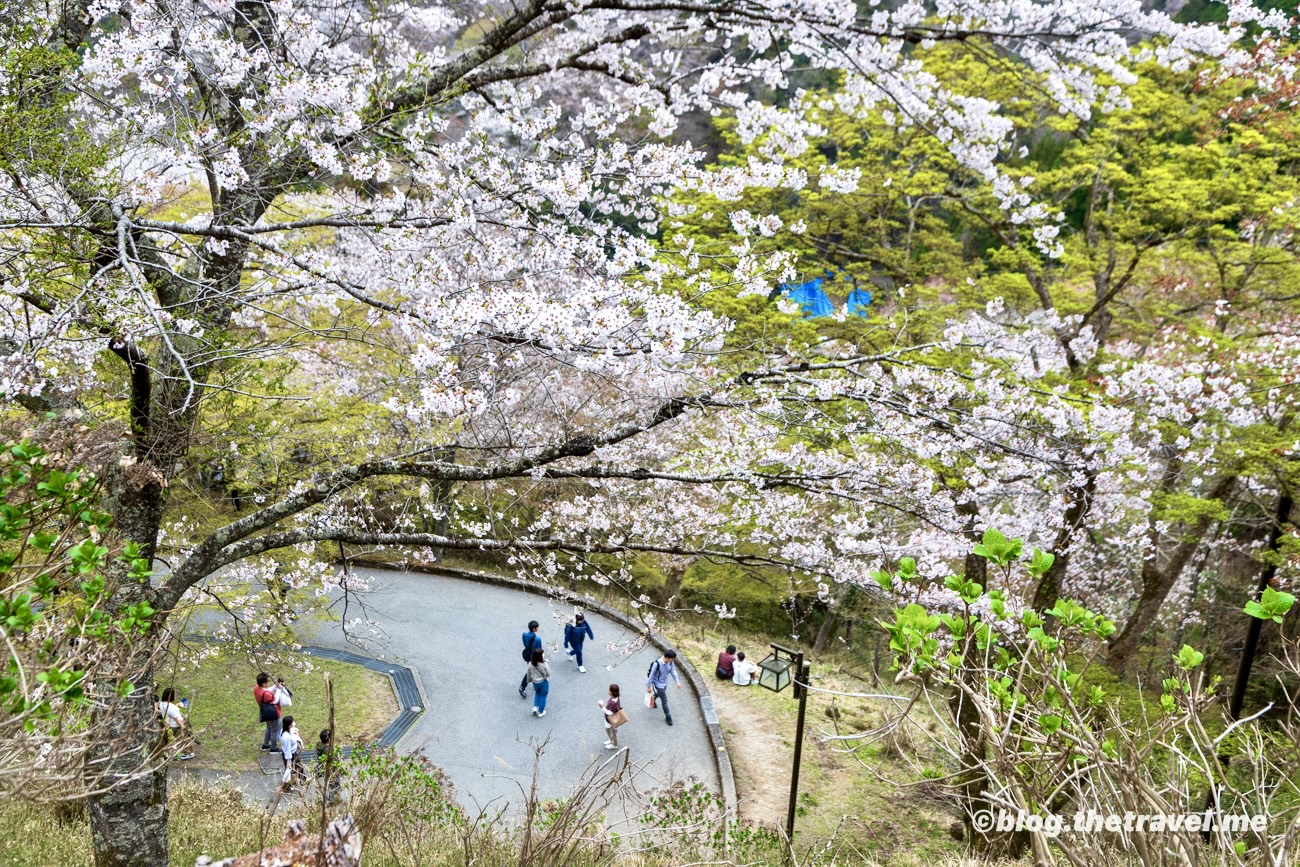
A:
[575,634]
[532,644]
[268,712]
[656,682]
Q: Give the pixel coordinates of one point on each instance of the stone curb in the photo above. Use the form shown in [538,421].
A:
[402,678]
[722,760]
[408,690]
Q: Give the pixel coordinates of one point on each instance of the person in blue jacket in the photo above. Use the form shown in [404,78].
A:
[574,634]
[532,644]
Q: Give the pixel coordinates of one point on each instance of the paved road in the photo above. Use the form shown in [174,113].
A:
[462,637]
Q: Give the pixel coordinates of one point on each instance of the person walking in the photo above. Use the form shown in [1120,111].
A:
[174,725]
[575,634]
[656,682]
[532,644]
[726,661]
[615,716]
[291,751]
[268,710]
[539,674]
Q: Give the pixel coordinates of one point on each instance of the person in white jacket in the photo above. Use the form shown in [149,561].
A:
[742,671]
[283,697]
[291,750]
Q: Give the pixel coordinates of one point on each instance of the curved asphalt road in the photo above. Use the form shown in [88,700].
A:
[463,639]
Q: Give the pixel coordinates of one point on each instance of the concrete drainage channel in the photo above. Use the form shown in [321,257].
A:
[410,697]
[409,700]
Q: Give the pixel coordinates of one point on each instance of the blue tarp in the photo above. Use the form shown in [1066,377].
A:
[811,298]
[858,302]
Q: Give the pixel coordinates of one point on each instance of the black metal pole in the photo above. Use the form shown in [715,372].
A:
[1251,647]
[801,678]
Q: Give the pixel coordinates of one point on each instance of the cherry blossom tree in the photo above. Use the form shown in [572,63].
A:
[445,213]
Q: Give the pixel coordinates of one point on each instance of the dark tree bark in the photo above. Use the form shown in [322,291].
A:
[963,709]
[128,823]
[829,622]
[1160,573]
[1079,503]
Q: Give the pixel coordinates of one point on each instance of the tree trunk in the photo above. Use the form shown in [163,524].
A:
[824,633]
[128,823]
[1157,581]
[964,712]
[1080,502]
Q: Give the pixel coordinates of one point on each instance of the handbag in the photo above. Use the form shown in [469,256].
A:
[286,697]
[266,711]
[650,700]
[617,718]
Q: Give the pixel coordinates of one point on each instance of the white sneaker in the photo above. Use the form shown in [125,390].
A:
[534,711]
[610,747]
[542,714]
[582,668]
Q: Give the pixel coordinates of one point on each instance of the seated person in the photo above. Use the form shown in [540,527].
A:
[726,659]
[744,671]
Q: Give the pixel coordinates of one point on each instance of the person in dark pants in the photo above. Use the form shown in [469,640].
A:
[263,696]
[327,766]
[656,681]
[532,644]
[574,634]
[726,663]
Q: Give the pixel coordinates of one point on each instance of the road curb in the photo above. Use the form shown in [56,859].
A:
[405,681]
[410,701]
[722,761]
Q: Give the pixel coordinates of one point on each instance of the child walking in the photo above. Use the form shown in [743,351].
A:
[614,716]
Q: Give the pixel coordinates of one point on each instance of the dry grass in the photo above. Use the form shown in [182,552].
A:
[847,789]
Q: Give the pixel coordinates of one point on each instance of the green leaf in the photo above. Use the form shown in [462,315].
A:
[1040,563]
[997,548]
[1272,605]
[1188,658]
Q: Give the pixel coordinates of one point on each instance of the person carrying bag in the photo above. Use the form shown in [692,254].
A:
[615,716]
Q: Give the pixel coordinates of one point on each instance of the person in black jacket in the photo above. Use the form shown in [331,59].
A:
[532,642]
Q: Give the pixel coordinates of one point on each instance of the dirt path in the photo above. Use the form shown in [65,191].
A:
[761,757]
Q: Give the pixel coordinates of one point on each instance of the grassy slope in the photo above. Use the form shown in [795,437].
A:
[846,788]
[216,822]
[225,718]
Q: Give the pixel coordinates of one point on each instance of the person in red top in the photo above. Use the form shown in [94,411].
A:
[265,696]
[726,661]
